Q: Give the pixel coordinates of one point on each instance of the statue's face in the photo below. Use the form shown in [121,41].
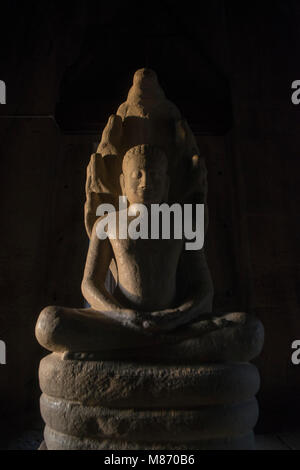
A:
[144,182]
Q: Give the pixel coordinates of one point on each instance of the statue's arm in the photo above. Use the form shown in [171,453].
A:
[194,277]
[199,286]
[93,284]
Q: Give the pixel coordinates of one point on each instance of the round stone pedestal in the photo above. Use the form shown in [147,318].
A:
[114,405]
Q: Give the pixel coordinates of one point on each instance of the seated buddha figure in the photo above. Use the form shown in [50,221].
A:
[163,294]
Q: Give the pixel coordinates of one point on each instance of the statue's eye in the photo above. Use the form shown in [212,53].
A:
[136,174]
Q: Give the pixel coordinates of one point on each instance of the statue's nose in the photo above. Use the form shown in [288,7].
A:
[145,181]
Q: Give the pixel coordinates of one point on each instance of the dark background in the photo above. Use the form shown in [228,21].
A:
[229,68]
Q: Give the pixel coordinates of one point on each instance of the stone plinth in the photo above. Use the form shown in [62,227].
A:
[93,404]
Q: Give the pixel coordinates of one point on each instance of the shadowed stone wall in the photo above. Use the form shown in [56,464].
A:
[252,160]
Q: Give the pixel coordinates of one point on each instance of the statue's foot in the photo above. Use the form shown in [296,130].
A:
[234,336]
[61,329]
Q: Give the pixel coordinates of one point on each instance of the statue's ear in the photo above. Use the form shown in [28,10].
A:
[122,184]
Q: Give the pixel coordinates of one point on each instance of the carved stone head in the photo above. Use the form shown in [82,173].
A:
[144,178]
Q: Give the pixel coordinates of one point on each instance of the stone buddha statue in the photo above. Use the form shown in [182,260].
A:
[159,315]
[161,285]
